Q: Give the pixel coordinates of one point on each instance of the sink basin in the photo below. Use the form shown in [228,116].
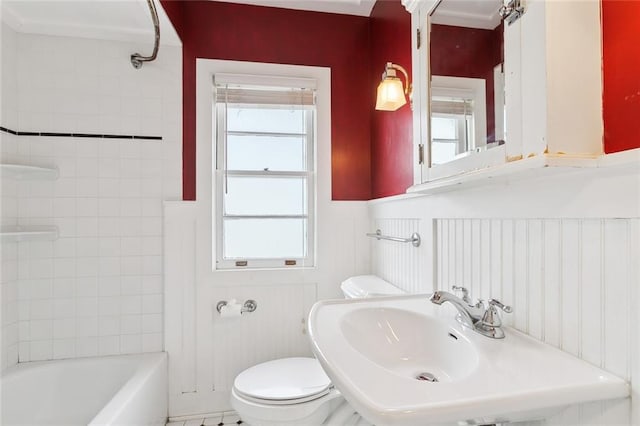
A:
[409,345]
[405,361]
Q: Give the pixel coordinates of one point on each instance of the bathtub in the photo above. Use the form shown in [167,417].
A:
[114,390]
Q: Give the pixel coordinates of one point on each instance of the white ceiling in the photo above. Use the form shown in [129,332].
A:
[124,20]
[468,13]
[349,7]
[130,20]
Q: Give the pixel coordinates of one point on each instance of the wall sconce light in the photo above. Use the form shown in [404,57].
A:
[391,92]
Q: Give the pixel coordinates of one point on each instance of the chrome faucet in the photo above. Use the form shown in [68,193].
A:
[484,320]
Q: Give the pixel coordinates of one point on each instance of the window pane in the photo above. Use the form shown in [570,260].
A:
[265,196]
[265,152]
[273,120]
[442,152]
[264,238]
[443,128]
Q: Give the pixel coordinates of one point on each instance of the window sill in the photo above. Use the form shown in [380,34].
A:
[263,269]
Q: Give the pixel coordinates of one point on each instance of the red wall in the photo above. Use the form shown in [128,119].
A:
[372,150]
[218,30]
[621,79]
[468,52]
[391,131]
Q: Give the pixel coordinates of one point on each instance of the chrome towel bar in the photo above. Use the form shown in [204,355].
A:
[414,239]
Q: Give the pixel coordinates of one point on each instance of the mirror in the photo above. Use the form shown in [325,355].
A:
[466,63]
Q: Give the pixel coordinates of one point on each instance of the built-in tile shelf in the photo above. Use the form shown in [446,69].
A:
[529,168]
[24,172]
[10,234]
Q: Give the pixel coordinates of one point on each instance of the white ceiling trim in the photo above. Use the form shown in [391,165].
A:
[129,20]
[483,14]
[469,20]
[92,29]
[346,7]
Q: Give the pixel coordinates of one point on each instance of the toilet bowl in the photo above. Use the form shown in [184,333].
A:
[296,391]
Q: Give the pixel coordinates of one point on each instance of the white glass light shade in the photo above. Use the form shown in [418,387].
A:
[390,95]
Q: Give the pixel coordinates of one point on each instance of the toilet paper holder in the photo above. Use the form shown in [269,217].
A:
[248,306]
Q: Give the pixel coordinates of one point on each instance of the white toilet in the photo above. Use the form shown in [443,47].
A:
[296,391]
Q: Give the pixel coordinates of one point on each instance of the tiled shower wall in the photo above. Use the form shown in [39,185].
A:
[9,275]
[98,288]
[8,206]
[8,272]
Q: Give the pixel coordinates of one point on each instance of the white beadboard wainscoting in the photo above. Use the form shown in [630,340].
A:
[206,351]
[570,283]
[398,263]
[276,329]
[562,251]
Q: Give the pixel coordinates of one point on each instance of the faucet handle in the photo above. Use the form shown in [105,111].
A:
[500,305]
[490,323]
[464,291]
[491,319]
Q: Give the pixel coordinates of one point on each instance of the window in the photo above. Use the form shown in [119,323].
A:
[458,117]
[452,128]
[265,188]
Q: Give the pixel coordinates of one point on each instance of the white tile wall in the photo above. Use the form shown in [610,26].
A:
[8,203]
[9,309]
[98,288]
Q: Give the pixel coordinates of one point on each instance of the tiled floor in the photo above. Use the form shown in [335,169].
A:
[220,419]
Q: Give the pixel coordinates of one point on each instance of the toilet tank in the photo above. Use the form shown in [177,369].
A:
[362,286]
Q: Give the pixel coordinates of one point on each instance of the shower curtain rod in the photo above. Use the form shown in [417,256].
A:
[136,59]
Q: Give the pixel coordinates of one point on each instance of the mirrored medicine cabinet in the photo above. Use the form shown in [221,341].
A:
[499,95]
[466,76]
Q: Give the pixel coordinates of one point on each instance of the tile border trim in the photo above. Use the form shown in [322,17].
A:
[80,135]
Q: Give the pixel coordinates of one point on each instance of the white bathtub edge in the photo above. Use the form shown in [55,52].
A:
[132,399]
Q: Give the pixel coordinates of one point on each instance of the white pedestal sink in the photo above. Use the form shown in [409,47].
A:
[399,361]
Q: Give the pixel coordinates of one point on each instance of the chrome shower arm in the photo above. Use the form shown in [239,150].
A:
[137,59]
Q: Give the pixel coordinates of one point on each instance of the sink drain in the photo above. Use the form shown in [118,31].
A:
[426,377]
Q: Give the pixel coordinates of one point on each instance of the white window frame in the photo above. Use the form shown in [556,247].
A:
[472,89]
[221,175]
[204,227]
[463,138]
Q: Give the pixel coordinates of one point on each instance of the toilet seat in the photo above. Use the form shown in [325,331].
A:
[281,401]
[283,381]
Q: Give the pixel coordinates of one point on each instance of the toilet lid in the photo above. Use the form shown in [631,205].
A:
[283,379]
